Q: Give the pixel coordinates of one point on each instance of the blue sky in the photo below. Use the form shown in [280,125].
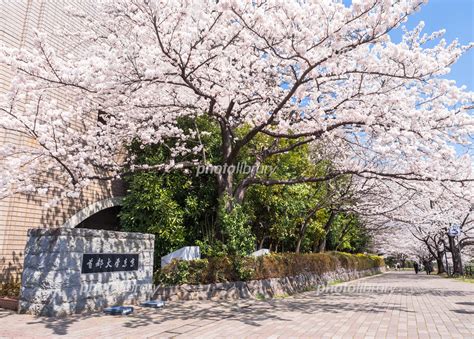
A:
[457,17]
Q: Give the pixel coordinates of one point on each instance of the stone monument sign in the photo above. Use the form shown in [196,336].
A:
[74,270]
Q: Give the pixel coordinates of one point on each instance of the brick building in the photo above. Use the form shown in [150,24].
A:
[98,205]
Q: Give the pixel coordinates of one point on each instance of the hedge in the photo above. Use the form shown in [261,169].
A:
[10,289]
[275,265]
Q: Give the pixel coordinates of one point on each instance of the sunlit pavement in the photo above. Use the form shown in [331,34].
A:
[392,305]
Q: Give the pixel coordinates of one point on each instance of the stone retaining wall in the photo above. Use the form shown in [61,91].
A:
[267,288]
[52,282]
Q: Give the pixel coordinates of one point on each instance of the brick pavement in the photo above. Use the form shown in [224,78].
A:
[392,305]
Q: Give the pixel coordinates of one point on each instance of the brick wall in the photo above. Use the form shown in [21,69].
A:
[18,21]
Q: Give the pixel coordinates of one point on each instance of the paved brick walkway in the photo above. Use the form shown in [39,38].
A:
[392,305]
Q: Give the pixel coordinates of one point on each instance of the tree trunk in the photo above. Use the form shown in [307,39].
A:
[298,244]
[224,189]
[439,262]
[260,246]
[456,256]
[327,226]
[436,253]
[301,234]
[322,244]
[225,177]
[440,256]
[304,227]
[403,261]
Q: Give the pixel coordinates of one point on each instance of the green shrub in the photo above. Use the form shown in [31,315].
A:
[275,265]
[10,289]
[210,249]
[239,239]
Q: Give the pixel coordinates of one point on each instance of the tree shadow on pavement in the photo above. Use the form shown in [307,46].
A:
[182,317]
[197,315]
[5,313]
[466,303]
[60,326]
[465,310]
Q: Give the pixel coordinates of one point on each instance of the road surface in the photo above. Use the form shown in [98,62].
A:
[392,305]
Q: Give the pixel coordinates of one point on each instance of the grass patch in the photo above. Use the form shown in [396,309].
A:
[466,279]
[309,288]
[336,282]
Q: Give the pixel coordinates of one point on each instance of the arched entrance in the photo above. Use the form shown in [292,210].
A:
[102,215]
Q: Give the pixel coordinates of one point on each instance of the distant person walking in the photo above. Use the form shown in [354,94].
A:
[416,267]
[428,267]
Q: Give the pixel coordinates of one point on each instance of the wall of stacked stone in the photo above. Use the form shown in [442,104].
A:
[267,288]
[52,282]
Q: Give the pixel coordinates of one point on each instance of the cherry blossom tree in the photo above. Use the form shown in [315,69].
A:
[298,72]
[420,218]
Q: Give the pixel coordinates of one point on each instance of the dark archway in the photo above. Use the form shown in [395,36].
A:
[106,219]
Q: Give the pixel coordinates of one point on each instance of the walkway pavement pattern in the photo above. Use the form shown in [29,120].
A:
[392,305]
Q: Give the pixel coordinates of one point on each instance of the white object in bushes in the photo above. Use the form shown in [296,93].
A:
[184,253]
[260,252]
